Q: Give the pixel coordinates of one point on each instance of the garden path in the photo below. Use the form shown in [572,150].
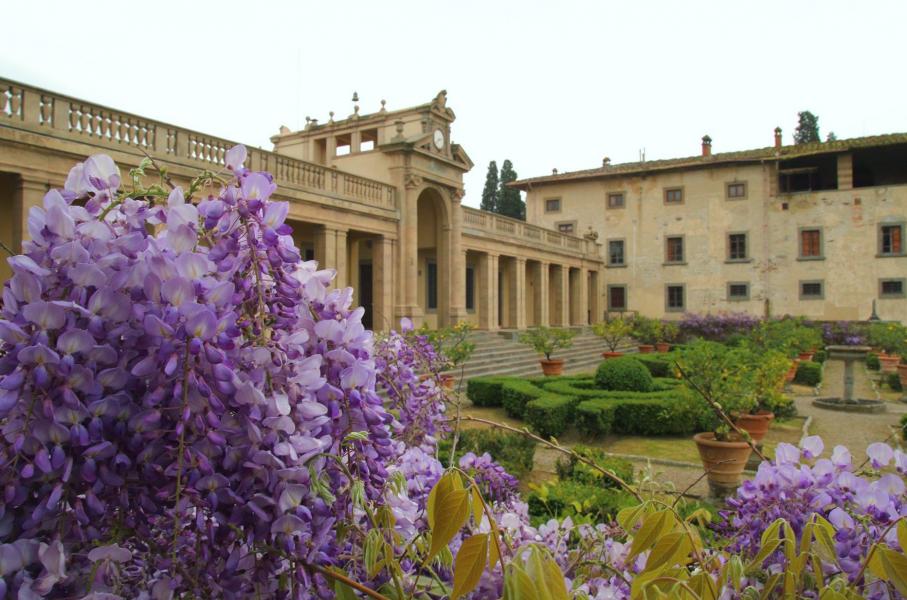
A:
[856,431]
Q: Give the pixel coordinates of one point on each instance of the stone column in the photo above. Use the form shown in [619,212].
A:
[595,298]
[384,284]
[565,296]
[326,247]
[30,192]
[341,254]
[518,296]
[845,171]
[457,302]
[543,305]
[408,254]
[582,298]
[487,291]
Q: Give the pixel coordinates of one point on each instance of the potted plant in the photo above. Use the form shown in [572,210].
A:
[545,340]
[670,333]
[646,331]
[890,338]
[718,376]
[615,332]
[806,340]
[453,348]
[766,372]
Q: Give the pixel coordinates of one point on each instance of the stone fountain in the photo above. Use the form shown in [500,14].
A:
[847,403]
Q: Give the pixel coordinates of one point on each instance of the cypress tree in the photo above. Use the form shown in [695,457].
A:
[510,203]
[807,129]
[490,193]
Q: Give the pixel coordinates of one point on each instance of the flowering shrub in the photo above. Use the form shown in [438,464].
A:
[844,333]
[718,327]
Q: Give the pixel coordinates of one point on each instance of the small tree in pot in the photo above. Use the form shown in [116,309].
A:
[453,347]
[647,332]
[717,375]
[669,334]
[767,374]
[890,338]
[615,332]
[545,340]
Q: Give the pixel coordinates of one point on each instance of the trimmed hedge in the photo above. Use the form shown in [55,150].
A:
[624,374]
[894,382]
[550,415]
[820,356]
[486,391]
[659,364]
[655,416]
[808,373]
[513,451]
[872,362]
[517,393]
[595,417]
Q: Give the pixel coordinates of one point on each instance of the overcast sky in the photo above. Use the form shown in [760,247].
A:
[545,84]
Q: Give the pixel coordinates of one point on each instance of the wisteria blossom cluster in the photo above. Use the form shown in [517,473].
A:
[716,327]
[843,333]
[179,395]
[862,505]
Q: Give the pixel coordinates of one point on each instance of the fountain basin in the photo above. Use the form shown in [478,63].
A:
[859,405]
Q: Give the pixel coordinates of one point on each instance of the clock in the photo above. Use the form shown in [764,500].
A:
[439,139]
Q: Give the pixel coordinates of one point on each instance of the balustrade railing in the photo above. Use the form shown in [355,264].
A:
[513,228]
[71,118]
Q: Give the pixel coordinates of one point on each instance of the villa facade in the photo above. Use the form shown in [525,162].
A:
[377,197]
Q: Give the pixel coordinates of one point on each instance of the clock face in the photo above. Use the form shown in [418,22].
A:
[439,139]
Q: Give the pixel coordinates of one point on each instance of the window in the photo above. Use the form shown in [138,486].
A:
[736,246]
[736,190]
[431,292]
[673,195]
[470,288]
[553,205]
[674,298]
[810,243]
[674,250]
[737,291]
[616,200]
[617,298]
[891,240]
[616,253]
[891,288]
[569,227]
[812,290]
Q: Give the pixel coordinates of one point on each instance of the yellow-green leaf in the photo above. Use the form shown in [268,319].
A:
[494,554]
[902,534]
[448,482]
[769,590]
[764,552]
[478,509]
[670,549]
[469,564]
[452,512]
[831,594]
[628,517]
[895,565]
[704,586]
[554,579]
[653,527]
[772,531]
[518,585]
[875,565]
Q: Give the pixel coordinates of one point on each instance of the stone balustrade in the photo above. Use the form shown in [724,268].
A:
[507,228]
[61,116]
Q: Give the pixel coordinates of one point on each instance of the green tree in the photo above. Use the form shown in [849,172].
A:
[490,193]
[831,137]
[807,130]
[510,203]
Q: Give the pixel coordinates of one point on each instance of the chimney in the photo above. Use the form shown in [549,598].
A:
[706,145]
[777,137]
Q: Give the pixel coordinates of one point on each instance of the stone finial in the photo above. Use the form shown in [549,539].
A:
[383,102]
[606,161]
[355,96]
[398,124]
[331,115]
[284,130]
[440,101]
[554,171]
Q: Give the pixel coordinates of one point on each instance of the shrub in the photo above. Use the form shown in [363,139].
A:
[872,362]
[512,451]
[517,393]
[717,327]
[624,374]
[904,427]
[571,499]
[645,330]
[894,382]
[659,365]
[785,408]
[595,417]
[486,391]
[574,470]
[888,336]
[808,373]
[820,356]
[550,415]
[661,416]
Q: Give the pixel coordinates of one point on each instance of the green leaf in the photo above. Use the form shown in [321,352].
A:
[628,517]
[469,564]
[769,590]
[670,549]
[518,585]
[895,565]
[653,527]
[902,534]
[343,591]
[453,510]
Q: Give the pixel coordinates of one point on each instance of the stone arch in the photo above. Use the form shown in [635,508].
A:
[433,255]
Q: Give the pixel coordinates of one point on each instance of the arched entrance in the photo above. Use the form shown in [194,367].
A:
[433,257]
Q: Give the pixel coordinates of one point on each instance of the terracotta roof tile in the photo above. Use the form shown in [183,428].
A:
[690,162]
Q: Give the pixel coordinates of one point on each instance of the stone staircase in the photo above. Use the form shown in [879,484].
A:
[499,353]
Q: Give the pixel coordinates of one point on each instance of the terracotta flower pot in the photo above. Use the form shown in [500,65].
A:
[723,461]
[646,348]
[889,363]
[662,347]
[806,355]
[792,372]
[607,355]
[756,425]
[902,375]
[552,367]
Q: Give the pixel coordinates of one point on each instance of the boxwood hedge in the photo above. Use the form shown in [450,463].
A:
[808,373]
[550,415]
[486,391]
[659,364]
